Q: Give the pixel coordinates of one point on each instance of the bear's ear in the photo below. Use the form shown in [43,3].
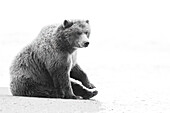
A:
[67,24]
[87,21]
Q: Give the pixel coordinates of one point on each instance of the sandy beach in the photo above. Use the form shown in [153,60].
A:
[9,104]
[12,104]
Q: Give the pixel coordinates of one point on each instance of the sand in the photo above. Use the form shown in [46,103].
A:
[10,104]
[13,104]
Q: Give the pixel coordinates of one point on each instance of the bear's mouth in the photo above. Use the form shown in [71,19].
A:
[83,45]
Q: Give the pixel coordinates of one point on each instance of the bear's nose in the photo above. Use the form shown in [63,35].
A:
[86,44]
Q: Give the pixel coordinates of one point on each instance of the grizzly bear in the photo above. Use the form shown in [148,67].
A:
[48,68]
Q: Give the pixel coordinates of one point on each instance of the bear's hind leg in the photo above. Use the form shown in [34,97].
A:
[80,90]
[27,87]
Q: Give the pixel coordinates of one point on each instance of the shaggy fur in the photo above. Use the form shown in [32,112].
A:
[44,68]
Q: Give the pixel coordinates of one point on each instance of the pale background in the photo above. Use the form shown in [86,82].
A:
[129,52]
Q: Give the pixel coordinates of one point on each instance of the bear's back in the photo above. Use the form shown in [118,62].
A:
[48,31]
[33,57]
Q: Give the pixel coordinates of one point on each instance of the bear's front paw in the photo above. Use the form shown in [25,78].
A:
[89,85]
[90,94]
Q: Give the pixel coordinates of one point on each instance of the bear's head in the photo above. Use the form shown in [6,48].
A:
[76,33]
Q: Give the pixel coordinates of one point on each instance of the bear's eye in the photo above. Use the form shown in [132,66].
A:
[79,33]
[86,33]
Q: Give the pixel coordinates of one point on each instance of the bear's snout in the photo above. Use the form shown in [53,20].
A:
[86,44]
